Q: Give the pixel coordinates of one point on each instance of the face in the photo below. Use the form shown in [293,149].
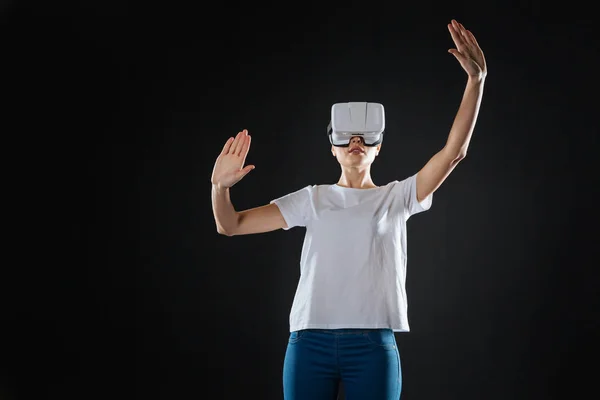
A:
[356,154]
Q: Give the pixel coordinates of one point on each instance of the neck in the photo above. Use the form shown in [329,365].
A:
[356,178]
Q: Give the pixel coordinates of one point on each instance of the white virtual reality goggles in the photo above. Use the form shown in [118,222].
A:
[363,119]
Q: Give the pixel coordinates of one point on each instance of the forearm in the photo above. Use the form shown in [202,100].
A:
[225,214]
[464,122]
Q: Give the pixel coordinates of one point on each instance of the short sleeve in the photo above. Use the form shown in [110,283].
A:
[295,207]
[409,191]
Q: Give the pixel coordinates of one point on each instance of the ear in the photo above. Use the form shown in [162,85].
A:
[378,149]
[332,151]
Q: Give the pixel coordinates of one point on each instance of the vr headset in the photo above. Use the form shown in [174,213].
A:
[363,119]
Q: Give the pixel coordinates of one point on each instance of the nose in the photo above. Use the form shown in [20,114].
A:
[356,139]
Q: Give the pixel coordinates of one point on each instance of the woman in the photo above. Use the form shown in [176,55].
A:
[351,295]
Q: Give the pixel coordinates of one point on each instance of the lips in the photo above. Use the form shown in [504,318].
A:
[356,150]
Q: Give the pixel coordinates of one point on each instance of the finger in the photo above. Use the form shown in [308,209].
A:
[227,146]
[473,40]
[470,39]
[460,30]
[470,47]
[456,37]
[236,143]
[457,54]
[463,32]
[459,27]
[468,36]
[474,50]
[242,148]
[244,171]
[243,151]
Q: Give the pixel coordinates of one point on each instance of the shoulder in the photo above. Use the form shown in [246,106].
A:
[407,180]
[297,195]
[403,188]
[397,185]
[404,183]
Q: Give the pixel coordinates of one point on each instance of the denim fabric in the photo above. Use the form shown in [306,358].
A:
[365,361]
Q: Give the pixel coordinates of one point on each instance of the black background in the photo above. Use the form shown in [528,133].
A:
[116,110]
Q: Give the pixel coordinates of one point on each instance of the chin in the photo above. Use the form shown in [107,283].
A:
[357,164]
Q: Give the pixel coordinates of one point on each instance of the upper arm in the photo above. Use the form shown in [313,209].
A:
[435,172]
[261,219]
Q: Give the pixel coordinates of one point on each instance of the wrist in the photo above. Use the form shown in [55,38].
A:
[219,188]
[478,79]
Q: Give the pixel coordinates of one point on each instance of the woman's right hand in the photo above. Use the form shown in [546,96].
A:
[229,168]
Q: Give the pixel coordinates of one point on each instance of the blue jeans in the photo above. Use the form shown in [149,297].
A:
[365,361]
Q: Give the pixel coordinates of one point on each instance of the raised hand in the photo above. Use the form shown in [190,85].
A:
[467,51]
[229,168]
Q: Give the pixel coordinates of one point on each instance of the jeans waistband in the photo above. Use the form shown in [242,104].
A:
[347,331]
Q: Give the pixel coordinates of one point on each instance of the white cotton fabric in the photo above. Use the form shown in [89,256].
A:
[353,260]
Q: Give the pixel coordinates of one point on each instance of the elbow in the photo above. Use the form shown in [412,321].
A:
[454,154]
[229,228]
[224,232]
[460,155]
[221,230]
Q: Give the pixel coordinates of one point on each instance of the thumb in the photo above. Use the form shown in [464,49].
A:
[456,54]
[243,172]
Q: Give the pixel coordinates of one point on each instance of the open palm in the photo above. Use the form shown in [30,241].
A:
[467,50]
[229,168]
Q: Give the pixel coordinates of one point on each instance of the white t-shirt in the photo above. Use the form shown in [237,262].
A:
[353,260]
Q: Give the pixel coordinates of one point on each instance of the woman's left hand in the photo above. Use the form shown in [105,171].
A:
[467,51]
